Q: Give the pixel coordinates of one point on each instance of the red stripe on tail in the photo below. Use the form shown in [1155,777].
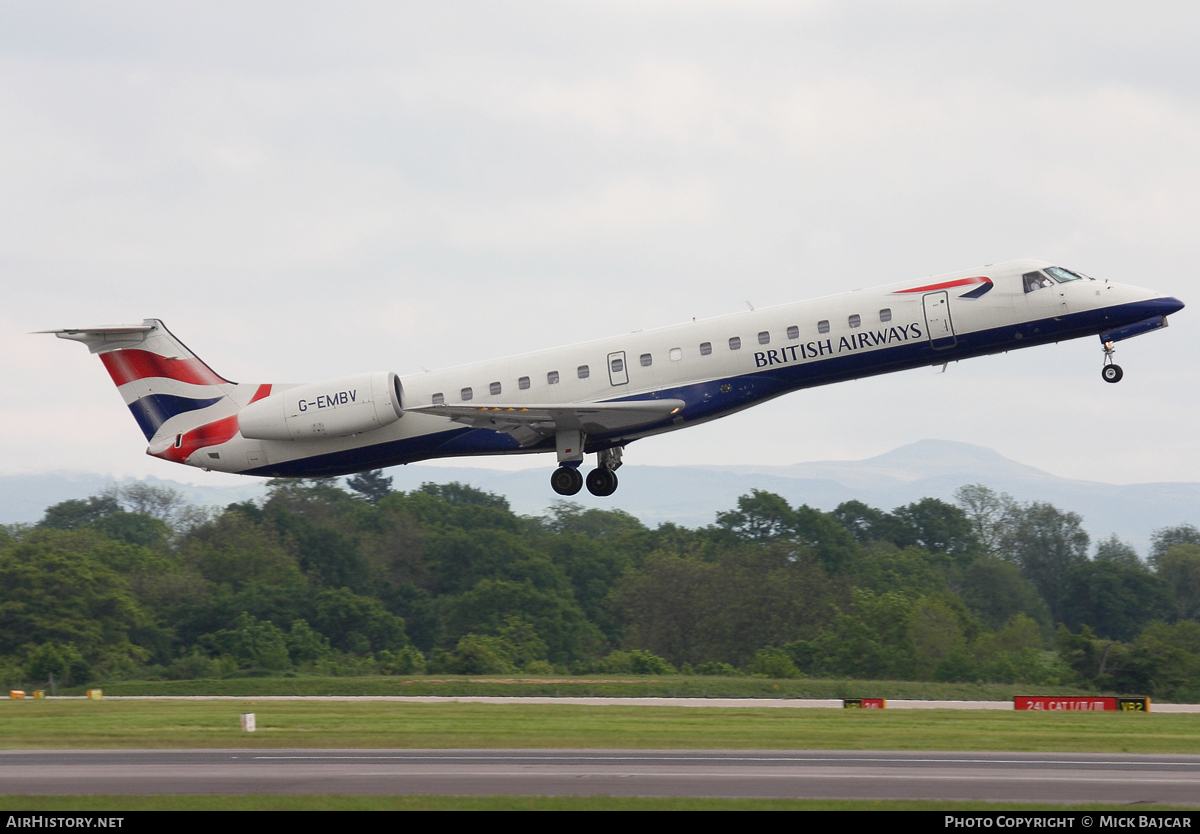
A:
[211,434]
[129,365]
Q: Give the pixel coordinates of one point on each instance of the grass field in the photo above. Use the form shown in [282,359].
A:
[678,686]
[32,724]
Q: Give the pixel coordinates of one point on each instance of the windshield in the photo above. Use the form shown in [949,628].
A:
[1063,275]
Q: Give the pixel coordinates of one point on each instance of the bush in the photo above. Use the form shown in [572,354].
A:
[771,662]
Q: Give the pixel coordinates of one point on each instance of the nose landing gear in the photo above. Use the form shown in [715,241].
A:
[1110,372]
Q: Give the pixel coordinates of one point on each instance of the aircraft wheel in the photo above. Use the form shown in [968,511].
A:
[566,481]
[1112,373]
[602,482]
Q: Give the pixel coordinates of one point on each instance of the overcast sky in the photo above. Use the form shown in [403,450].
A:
[308,190]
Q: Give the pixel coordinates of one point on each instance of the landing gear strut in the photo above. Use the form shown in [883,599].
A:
[1110,372]
[602,481]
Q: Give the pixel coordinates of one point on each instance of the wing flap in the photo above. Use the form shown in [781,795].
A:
[543,419]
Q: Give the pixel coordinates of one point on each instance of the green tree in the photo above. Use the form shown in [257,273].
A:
[1179,567]
[1045,543]
[373,486]
[50,592]
[1114,600]
[1164,538]
[1113,549]
[355,623]
[991,514]
[254,644]
[996,591]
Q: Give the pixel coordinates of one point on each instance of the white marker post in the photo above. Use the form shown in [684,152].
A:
[248,722]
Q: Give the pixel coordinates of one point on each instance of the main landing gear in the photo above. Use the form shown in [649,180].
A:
[601,481]
[1111,372]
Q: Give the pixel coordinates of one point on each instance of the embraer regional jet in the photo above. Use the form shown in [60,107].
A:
[595,398]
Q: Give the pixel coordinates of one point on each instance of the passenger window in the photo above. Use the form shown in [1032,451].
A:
[793,332]
[438,399]
[466,394]
[584,371]
[823,326]
[618,366]
[764,338]
[552,378]
[523,383]
[705,348]
[885,314]
[494,389]
[735,343]
[676,354]
[855,320]
[647,360]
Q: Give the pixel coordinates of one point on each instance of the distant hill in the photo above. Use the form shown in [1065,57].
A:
[693,495]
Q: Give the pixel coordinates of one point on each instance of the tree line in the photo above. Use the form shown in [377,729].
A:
[350,577]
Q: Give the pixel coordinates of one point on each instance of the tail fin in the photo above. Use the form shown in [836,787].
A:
[168,389]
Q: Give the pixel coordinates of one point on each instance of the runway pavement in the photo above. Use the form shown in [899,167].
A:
[1053,777]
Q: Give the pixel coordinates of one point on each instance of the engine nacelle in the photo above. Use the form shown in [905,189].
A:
[336,408]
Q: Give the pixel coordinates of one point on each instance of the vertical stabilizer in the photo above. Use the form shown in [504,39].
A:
[167,388]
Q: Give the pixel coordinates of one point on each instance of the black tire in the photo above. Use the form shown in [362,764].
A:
[566,481]
[1112,373]
[602,482]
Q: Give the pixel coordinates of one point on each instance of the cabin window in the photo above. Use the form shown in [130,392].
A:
[735,343]
[523,383]
[647,360]
[823,326]
[494,389]
[466,394]
[855,320]
[552,378]
[793,332]
[676,354]
[705,348]
[885,314]
[618,366]
[584,371]
[764,338]
[439,399]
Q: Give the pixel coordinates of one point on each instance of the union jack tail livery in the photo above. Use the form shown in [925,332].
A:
[179,403]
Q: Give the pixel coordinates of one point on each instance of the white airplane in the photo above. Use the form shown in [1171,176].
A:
[599,396]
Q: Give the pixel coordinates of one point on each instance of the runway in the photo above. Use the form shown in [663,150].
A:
[1029,777]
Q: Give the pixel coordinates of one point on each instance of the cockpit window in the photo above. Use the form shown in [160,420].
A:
[1059,274]
[1035,281]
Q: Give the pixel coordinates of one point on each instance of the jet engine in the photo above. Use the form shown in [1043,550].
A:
[336,408]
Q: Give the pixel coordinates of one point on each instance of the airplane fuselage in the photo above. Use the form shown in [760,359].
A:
[702,369]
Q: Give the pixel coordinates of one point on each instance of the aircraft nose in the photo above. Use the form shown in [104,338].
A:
[1166,305]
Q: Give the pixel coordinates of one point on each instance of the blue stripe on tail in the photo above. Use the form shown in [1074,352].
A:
[155,409]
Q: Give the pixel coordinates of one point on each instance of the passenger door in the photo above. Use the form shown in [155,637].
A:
[617,372]
[937,320]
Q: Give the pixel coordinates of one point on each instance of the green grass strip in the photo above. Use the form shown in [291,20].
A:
[611,687]
[372,724]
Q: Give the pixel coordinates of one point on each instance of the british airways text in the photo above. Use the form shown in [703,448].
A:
[826,347]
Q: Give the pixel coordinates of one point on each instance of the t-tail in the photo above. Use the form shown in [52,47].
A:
[179,403]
